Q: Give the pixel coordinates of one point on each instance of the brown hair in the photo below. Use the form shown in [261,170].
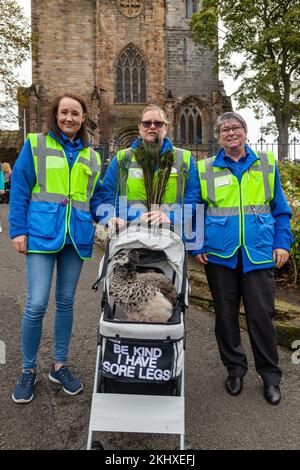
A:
[6,167]
[52,123]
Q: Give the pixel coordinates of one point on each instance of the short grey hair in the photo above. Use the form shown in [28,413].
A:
[225,117]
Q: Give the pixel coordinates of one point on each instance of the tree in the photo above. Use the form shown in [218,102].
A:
[266,33]
[15,41]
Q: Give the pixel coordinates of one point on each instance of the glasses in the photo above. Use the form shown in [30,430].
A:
[157,124]
[234,129]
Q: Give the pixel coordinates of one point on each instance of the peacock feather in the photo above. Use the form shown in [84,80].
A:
[150,160]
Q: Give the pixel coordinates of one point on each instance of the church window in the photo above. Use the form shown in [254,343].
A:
[131,77]
[143,85]
[191,128]
[182,129]
[190,7]
[190,122]
[135,80]
[127,84]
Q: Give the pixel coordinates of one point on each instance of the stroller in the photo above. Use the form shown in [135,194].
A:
[139,376]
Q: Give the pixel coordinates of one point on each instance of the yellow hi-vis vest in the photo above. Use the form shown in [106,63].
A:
[239,214]
[60,199]
[132,179]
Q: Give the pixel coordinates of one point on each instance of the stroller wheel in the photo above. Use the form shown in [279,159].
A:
[96,445]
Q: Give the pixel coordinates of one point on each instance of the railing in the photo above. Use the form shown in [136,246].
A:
[108,148]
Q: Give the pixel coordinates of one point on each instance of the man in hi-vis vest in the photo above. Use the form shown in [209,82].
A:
[247,233]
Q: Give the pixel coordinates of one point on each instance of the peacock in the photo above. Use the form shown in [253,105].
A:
[142,296]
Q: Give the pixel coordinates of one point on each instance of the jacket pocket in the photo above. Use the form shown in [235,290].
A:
[171,189]
[42,219]
[80,180]
[214,232]
[265,224]
[84,228]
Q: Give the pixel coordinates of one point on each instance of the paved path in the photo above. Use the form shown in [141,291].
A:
[53,420]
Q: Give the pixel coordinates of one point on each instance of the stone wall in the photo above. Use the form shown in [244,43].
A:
[77,46]
[190,72]
[64,55]
[115,31]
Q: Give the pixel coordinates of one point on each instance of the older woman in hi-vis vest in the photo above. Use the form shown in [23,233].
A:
[54,196]
[247,233]
[152,175]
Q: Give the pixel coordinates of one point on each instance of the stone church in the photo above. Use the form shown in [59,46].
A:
[121,55]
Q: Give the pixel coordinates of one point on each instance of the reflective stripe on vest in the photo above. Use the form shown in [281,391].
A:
[224,211]
[41,151]
[127,162]
[211,174]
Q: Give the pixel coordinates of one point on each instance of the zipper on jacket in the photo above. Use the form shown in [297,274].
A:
[69,195]
[242,214]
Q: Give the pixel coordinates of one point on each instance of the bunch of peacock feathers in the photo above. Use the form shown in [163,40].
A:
[149,158]
[141,296]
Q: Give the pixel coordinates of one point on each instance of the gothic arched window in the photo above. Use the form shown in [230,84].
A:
[131,77]
[190,122]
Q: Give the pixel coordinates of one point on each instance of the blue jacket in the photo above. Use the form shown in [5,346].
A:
[109,186]
[279,208]
[23,180]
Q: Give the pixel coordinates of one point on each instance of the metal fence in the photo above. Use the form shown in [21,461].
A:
[108,148]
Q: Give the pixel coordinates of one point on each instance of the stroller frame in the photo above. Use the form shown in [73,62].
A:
[121,412]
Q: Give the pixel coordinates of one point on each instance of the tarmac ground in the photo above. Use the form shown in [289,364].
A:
[54,420]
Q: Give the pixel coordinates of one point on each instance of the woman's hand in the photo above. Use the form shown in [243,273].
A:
[20,244]
[155,217]
[201,258]
[115,222]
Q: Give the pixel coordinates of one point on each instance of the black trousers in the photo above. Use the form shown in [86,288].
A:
[257,290]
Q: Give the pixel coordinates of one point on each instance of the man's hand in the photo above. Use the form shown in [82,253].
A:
[20,244]
[155,217]
[280,256]
[201,258]
[1,191]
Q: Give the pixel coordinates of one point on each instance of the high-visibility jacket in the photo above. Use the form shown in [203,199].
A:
[60,199]
[132,179]
[239,214]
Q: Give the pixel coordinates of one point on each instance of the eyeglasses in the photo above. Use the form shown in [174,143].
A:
[234,129]
[157,124]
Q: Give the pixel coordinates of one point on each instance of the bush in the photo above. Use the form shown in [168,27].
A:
[290,179]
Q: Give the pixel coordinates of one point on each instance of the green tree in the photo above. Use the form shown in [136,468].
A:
[266,34]
[15,41]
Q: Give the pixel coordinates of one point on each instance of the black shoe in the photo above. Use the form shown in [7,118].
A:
[272,394]
[234,385]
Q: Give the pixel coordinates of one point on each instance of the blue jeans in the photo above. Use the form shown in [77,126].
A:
[40,271]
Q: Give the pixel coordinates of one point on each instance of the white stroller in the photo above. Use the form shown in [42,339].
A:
[139,376]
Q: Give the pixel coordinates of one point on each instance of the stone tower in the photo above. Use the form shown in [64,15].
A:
[121,55]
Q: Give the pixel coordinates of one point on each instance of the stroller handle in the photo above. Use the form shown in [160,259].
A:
[140,223]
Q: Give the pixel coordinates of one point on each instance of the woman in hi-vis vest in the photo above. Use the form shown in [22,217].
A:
[54,199]
[152,176]
[247,233]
